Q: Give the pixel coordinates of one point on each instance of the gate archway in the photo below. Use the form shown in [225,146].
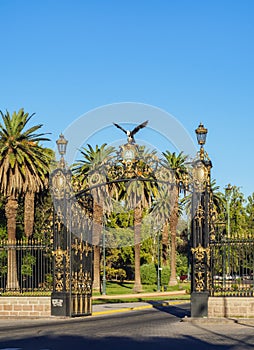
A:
[73,226]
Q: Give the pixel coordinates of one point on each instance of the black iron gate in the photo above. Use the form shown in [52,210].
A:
[232,263]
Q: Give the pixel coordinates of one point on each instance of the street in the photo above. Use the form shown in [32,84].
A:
[155,328]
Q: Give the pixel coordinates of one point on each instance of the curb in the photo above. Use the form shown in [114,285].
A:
[126,309]
[218,320]
[139,295]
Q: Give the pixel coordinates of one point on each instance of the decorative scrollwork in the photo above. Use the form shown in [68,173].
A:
[200,215]
[81,281]
[201,263]
[81,247]
[62,261]
[200,252]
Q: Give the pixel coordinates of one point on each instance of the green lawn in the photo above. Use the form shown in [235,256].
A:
[117,288]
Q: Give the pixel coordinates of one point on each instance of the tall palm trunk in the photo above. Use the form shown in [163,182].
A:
[165,244]
[173,226]
[97,229]
[11,213]
[137,238]
[29,213]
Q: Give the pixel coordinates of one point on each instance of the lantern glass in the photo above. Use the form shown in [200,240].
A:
[61,145]
[201,133]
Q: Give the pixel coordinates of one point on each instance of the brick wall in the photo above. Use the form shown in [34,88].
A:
[231,307]
[25,307]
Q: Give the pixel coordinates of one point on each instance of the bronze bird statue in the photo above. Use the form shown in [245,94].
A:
[131,133]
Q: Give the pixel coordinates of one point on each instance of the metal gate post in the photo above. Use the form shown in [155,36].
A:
[61,189]
[200,251]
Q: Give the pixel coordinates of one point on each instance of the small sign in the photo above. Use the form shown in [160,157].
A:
[57,302]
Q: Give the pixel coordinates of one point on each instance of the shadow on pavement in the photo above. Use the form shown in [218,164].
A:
[110,343]
[179,311]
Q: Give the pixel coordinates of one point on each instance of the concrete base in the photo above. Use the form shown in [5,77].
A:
[60,304]
[199,304]
[232,307]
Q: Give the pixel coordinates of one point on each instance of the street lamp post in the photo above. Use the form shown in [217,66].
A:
[158,264]
[62,146]
[228,190]
[104,260]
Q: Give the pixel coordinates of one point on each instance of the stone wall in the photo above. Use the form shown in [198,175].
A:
[231,307]
[25,307]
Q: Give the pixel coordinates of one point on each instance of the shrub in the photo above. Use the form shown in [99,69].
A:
[165,274]
[112,273]
[148,274]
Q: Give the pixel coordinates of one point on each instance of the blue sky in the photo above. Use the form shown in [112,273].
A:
[192,59]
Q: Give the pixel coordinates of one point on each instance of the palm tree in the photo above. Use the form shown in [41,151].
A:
[30,197]
[219,200]
[90,172]
[24,167]
[175,163]
[160,213]
[139,195]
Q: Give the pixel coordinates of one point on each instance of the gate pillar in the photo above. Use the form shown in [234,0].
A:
[200,230]
[60,187]
[72,252]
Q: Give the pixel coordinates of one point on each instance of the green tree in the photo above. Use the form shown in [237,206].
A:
[175,163]
[237,213]
[24,168]
[250,214]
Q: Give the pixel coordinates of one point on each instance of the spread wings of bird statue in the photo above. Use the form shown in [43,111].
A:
[131,133]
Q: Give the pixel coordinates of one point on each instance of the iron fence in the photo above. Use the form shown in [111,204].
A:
[232,265]
[26,266]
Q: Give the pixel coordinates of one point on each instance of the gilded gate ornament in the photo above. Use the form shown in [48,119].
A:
[201,257]
[199,252]
[81,247]
[200,215]
[62,261]
[200,175]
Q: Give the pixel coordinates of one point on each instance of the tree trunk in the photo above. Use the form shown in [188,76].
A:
[173,279]
[173,226]
[97,228]
[29,213]
[11,213]
[137,238]
[165,244]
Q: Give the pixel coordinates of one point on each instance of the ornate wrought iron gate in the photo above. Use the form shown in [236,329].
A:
[232,263]
[72,255]
[73,229]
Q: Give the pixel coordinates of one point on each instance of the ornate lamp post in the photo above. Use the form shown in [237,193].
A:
[200,228]
[61,189]
[158,265]
[228,192]
[62,146]
[104,259]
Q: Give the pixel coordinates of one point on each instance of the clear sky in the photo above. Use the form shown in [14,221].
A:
[193,59]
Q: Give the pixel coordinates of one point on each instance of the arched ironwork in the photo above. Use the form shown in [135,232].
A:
[73,217]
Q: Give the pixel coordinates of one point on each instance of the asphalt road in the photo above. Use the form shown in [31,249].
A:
[157,328]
